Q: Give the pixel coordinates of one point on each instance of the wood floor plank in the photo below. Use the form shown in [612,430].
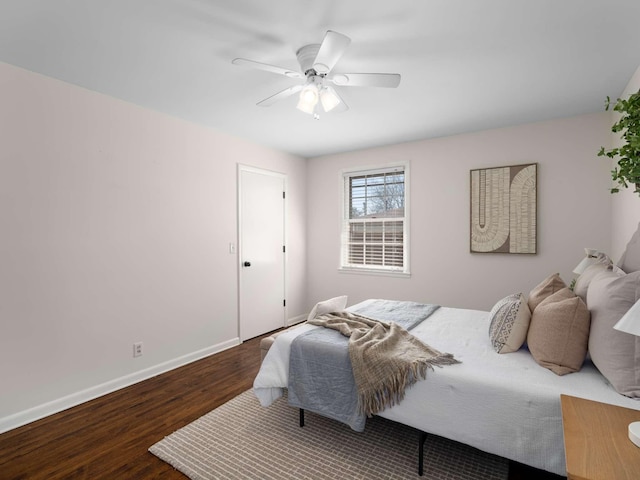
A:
[108,438]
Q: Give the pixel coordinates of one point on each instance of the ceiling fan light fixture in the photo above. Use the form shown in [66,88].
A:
[329,99]
[308,98]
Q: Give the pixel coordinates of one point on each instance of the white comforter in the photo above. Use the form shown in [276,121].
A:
[505,404]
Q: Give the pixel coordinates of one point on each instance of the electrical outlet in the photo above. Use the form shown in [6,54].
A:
[137,349]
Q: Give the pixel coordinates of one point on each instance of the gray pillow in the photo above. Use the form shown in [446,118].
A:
[630,260]
[615,353]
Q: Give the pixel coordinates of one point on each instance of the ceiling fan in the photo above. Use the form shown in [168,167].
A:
[316,65]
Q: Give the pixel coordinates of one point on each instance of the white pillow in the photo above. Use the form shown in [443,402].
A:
[583,281]
[335,304]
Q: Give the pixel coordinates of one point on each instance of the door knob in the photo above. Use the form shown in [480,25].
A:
[247,264]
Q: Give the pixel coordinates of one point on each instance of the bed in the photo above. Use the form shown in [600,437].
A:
[508,404]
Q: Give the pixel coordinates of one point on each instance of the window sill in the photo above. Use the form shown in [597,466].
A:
[373,271]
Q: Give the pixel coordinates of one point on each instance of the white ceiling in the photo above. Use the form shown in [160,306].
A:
[466,65]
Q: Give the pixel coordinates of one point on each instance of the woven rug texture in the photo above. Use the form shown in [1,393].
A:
[243,440]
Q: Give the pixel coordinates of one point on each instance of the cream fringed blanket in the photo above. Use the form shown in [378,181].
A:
[385,358]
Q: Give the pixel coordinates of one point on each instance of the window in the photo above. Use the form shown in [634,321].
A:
[375,220]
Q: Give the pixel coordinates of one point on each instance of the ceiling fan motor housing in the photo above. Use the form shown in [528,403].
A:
[306,55]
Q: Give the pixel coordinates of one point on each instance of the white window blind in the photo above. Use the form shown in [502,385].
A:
[374,228]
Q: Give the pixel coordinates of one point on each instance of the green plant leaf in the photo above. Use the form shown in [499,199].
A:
[627,170]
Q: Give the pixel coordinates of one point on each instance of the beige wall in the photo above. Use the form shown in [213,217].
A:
[573,212]
[115,228]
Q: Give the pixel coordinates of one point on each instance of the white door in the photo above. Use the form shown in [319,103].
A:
[261,253]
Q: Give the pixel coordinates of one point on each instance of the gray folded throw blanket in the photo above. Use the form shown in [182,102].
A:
[385,358]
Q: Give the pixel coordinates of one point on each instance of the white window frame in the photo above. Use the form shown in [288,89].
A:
[345,221]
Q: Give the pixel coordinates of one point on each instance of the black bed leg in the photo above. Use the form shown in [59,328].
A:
[302,417]
[421,440]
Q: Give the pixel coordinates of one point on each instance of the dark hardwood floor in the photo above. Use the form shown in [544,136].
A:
[108,438]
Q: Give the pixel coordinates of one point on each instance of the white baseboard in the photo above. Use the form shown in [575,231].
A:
[36,413]
[294,320]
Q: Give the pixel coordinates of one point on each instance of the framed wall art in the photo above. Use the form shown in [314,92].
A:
[504,209]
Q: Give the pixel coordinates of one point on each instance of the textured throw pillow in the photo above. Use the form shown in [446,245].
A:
[615,353]
[559,332]
[509,323]
[585,278]
[547,287]
[335,304]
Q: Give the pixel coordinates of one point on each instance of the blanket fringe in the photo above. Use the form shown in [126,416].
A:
[391,392]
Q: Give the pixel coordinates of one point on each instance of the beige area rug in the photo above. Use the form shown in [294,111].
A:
[242,440]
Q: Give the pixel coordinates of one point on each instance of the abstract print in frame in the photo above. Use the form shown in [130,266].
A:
[504,209]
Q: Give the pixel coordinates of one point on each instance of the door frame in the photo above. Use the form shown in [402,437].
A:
[239,258]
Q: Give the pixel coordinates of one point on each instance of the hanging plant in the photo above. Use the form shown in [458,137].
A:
[627,171]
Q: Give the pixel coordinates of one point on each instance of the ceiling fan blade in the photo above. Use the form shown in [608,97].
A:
[331,49]
[267,67]
[287,92]
[388,80]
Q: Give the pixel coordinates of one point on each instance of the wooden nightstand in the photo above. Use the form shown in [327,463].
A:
[596,440]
